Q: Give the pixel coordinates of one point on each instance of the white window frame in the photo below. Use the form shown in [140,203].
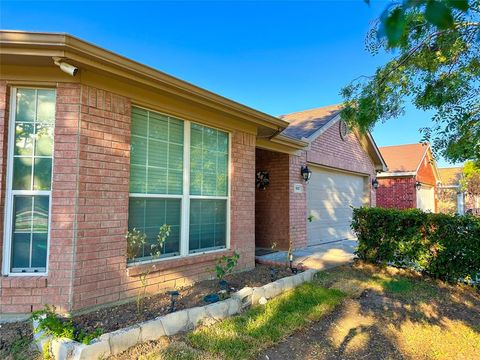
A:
[186,197]
[8,218]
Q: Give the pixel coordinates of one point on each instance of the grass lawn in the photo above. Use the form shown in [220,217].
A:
[350,312]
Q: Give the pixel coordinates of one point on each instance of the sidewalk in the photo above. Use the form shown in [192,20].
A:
[314,257]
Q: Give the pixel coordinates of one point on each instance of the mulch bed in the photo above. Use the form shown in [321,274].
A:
[116,317]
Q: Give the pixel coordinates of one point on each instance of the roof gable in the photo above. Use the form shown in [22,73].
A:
[404,158]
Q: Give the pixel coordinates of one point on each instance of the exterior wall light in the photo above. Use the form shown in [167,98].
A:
[375,183]
[418,185]
[306,173]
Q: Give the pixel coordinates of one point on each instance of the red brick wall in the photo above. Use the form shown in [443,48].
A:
[298,203]
[425,173]
[271,205]
[397,193]
[87,263]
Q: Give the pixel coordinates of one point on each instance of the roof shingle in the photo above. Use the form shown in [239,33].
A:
[451,176]
[304,124]
[403,158]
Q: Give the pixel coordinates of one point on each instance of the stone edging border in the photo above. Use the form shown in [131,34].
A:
[180,321]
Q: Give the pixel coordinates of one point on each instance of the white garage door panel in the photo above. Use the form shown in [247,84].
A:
[426,198]
[329,196]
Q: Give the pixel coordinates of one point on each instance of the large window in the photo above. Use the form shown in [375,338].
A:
[29,179]
[178,177]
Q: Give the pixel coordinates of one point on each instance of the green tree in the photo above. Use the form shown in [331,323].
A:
[435,47]
[471,181]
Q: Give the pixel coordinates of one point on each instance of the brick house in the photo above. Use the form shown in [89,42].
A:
[93,144]
[411,180]
[293,213]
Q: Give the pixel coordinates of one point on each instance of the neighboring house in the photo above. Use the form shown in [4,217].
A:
[452,199]
[411,180]
[93,144]
[343,165]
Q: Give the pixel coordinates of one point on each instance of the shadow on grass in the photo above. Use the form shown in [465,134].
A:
[241,337]
[395,314]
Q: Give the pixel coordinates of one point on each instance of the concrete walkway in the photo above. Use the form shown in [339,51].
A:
[315,257]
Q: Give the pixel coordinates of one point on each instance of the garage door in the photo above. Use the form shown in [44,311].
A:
[426,198]
[329,197]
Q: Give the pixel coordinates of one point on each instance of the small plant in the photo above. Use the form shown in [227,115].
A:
[225,265]
[310,218]
[136,240]
[53,325]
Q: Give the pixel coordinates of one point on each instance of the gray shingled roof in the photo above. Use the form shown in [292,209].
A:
[304,124]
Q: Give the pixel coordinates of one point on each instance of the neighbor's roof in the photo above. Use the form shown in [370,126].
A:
[450,176]
[304,124]
[404,158]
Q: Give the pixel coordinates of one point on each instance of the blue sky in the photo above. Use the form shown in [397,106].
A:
[277,57]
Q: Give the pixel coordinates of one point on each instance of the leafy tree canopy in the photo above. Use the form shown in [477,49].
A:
[435,64]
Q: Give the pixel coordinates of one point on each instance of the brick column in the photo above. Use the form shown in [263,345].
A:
[243,198]
[100,264]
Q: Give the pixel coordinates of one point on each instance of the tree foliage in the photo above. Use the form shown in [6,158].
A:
[436,64]
[471,180]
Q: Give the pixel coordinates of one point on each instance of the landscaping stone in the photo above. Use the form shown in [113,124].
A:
[244,296]
[308,275]
[151,330]
[62,348]
[217,311]
[196,315]
[98,349]
[121,340]
[297,279]
[272,289]
[287,283]
[257,293]
[262,300]
[234,306]
[175,322]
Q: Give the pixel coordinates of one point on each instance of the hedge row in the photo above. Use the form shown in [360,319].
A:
[444,246]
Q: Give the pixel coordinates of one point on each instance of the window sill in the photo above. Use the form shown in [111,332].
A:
[176,262]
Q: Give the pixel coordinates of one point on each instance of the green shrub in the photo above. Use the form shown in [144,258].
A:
[444,246]
[53,325]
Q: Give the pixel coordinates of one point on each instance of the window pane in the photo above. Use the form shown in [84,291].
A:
[157,153]
[30,233]
[25,105]
[44,141]
[24,133]
[42,173]
[139,121]
[160,152]
[22,173]
[138,150]
[207,224]
[158,127]
[22,214]
[138,179]
[39,250]
[208,161]
[46,106]
[148,215]
[40,214]
[20,250]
